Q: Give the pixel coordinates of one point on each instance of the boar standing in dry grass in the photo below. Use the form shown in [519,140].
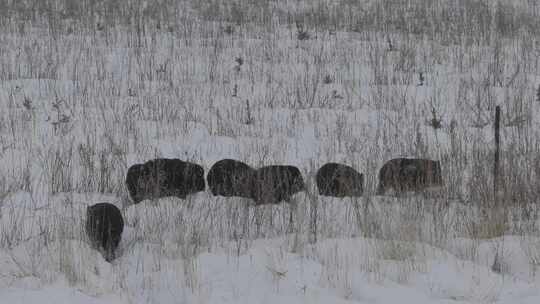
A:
[164,177]
[104,227]
[229,177]
[409,174]
[339,180]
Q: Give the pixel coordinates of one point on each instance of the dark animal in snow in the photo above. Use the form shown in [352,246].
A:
[274,184]
[409,174]
[104,226]
[229,177]
[339,180]
[164,177]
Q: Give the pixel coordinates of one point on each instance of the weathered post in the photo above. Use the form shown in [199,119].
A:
[313,210]
[496,164]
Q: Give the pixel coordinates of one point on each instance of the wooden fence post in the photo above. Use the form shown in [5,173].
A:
[496,164]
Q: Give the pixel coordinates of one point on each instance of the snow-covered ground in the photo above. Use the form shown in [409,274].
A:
[79,105]
[333,271]
[174,251]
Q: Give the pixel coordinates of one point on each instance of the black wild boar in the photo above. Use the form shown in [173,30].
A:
[164,177]
[339,180]
[104,227]
[409,174]
[229,177]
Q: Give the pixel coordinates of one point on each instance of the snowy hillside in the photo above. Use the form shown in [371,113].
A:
[89,88]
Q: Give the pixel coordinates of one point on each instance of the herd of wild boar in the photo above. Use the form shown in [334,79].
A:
[232,178]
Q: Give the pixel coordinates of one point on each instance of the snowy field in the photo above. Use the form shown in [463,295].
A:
[89,88]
